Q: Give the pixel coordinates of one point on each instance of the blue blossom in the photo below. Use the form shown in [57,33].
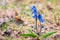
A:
[42,26]
[40,18]
[34,12]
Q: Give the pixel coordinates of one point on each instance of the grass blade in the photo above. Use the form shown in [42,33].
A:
[30,31]
[47,34]
[26,35]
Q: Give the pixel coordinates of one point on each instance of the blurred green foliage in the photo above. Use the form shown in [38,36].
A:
[4,26]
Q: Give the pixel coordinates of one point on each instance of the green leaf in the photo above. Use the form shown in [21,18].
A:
[47,34]
[26,35]
[31,34]
[30,31]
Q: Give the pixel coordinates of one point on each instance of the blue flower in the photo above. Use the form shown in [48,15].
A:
[40,18]
[35,16]
[42,26]
[34,12]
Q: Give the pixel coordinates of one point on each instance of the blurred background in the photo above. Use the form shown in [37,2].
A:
[19,12]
